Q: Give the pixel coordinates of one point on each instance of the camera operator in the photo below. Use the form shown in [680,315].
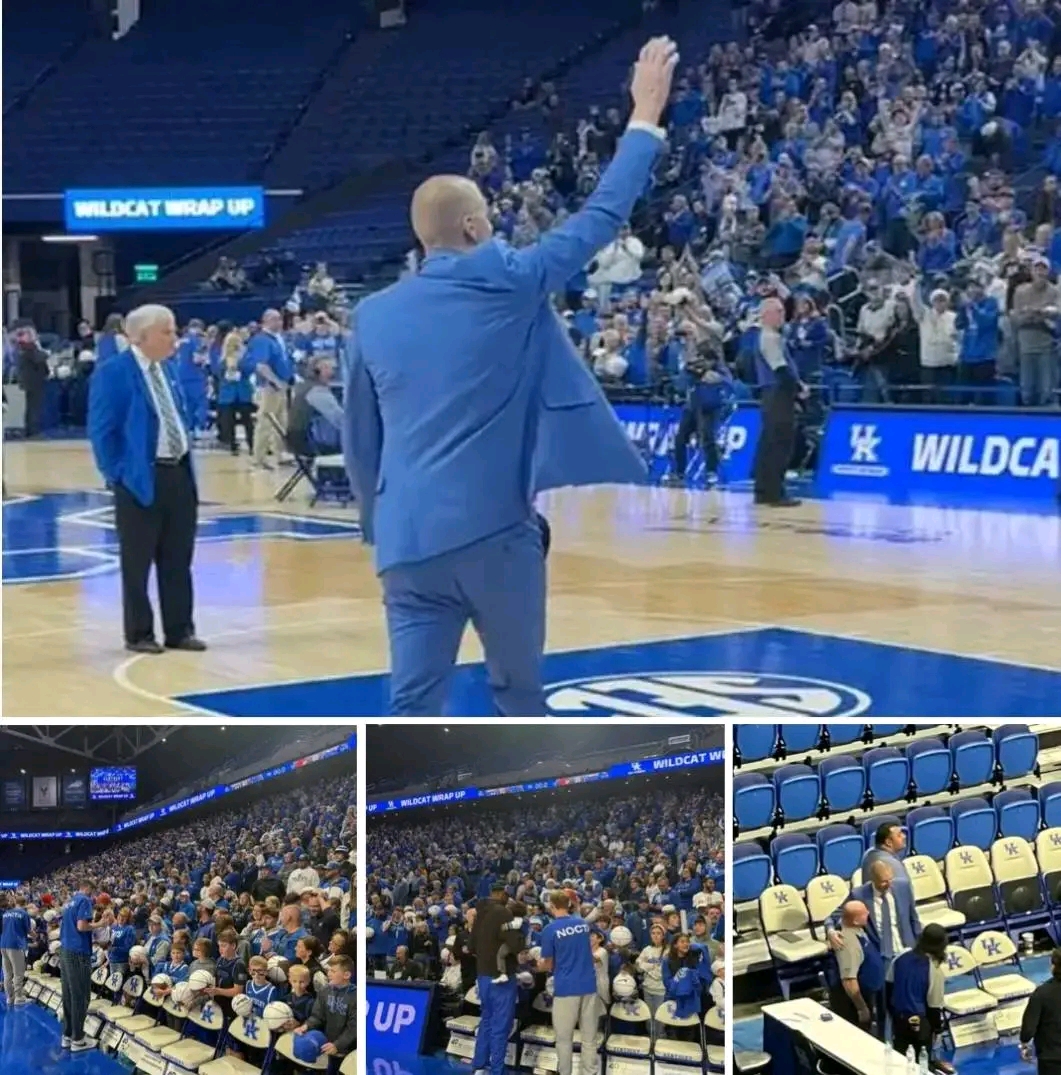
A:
[706,384]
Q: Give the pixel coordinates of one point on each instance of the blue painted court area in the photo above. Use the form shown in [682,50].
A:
[1003,1057]
[772,673]
[58,537]
[440,1064]
[29,1045]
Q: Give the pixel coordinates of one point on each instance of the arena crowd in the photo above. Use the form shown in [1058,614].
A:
[258,899]
[644,871]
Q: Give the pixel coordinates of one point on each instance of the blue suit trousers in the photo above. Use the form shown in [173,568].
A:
[499,585]
[497,1012]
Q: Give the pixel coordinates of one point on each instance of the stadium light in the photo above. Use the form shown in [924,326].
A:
[69,238]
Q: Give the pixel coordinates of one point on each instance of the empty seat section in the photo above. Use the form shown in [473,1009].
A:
[839,849]
[975,823]
[1017,811]
[1017,749]
[887,774]
[930,766]
[795,858]
[971,884]
[798,791]
[756,741]
[799,738]
[883,731]
[752,871]
[843,782]
[753,800]
[931,831]
[974,758]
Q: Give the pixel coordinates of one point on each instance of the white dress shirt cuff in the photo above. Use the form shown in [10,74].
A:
[650,128]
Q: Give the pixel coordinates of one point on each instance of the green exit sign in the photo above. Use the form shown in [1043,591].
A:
[146,274]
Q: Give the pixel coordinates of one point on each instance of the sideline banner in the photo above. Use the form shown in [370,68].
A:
[947,455]
[653,428]
[398,1015]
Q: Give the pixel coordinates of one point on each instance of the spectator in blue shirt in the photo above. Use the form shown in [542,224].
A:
[75,962]
[567,954]
[979,323]
[14,941]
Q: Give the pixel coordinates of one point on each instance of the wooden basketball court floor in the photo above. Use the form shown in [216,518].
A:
[662,602]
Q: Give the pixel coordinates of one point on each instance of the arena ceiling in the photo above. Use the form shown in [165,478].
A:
[406,755]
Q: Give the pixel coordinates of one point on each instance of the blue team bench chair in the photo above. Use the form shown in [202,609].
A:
[1017,810]
[754,801]
[973,757]
[931,831]
[1050,803]
[975,823]
[843,781]
[1017,750]
[887,775]
[752,871]
[931,766]
[755,742]
[798,738]
[795,858]
[839,849]
[798,790]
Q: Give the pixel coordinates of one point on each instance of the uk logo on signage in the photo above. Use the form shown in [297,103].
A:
[864,459]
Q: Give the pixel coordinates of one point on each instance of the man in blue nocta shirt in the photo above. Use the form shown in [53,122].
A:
[14,940]
[567,954]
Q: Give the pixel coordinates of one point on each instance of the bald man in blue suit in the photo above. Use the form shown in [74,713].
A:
[465,398]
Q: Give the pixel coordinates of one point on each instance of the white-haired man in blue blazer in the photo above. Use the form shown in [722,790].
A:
[465,398]
[141,439]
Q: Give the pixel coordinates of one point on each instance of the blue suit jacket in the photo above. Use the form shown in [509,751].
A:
[909,923]
[123,425]
[464,395]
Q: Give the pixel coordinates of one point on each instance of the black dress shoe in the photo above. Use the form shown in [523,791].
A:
[145,645]
[784,502]
[190,643]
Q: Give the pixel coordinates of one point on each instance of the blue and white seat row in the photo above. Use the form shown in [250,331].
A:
[844,782]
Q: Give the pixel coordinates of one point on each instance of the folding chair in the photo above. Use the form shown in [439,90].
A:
[672,1051]
[628,1053]
[245,1030]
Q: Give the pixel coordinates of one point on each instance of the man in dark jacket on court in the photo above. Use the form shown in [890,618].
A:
[1042,1022]
[497,998]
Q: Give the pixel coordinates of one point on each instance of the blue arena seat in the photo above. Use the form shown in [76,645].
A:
[887,774]
[930,766]
[1017,811]
[752,871]
[843,782]
[1017,749]
[931,831]
[1050,804]
[842,734]
[754,799]
[798,791]
[799,738]
[975,823]
[795,858]
[839,849]
[756,741]
[974,758]
[882,731]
